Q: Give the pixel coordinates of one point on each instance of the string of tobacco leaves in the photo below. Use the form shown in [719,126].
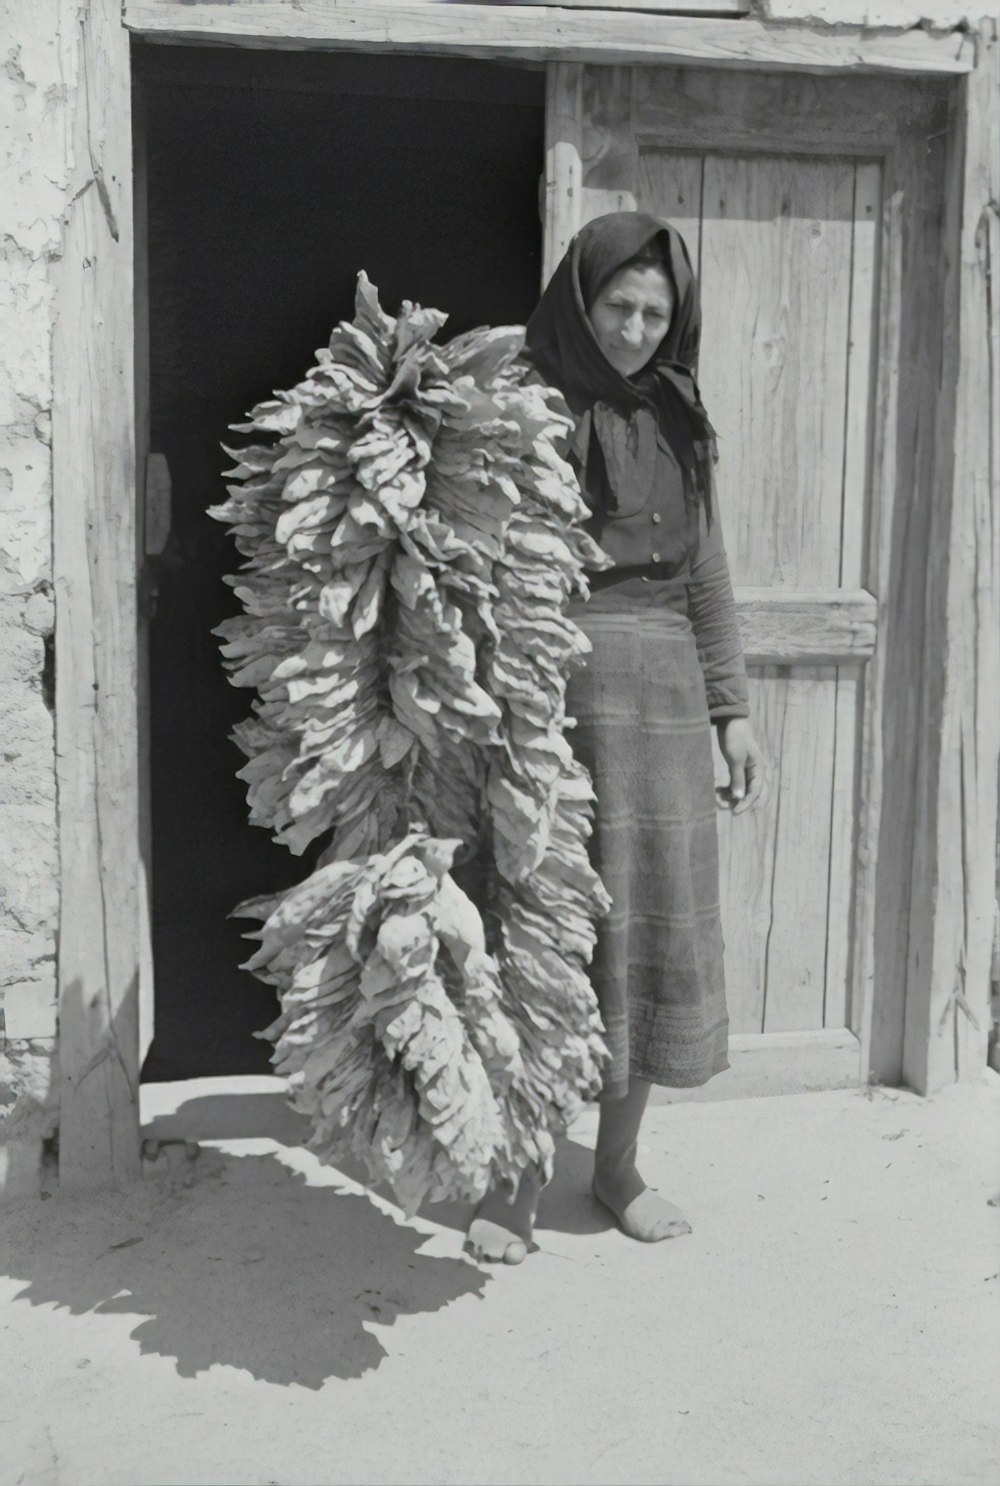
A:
[412,537]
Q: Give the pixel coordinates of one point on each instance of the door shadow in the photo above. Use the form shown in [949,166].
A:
[235,1114]
[236,1260]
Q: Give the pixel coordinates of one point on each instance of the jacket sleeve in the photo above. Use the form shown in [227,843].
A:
[712,612]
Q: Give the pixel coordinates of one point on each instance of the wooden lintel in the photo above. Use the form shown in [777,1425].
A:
[547,34]
[94,562]
[811,627]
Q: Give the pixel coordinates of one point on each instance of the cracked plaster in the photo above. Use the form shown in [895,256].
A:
[35,164]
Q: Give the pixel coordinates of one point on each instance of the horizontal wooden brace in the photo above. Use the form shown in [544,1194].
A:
[806,626]
[547,34]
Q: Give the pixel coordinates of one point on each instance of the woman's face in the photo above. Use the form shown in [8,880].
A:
[631,315]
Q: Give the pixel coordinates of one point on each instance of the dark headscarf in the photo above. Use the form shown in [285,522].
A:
[637,422]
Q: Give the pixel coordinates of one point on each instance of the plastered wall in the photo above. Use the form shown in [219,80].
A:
[35,76]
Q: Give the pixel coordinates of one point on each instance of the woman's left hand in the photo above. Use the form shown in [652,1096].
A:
[746,766]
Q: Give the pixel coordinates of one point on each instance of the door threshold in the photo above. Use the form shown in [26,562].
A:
[252,1106]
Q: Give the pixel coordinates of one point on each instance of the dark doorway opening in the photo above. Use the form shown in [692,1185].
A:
[272,178]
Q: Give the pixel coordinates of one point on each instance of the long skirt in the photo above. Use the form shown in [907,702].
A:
[643,731]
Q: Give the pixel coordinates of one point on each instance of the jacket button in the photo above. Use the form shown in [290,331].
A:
[655,557]
[657,518]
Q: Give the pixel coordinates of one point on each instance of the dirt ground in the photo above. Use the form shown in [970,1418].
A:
[247,1316]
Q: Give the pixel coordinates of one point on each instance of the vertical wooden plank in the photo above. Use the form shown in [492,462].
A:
[670,186]
[796,958]
[843,821]
[774,862]
[916,171]
[856,501]
[860,372]
[947,1004]
[746,860]
[610,150]
[881,885]
[775,258]
[563,165]
[591,154]
[94,564]
[143,547]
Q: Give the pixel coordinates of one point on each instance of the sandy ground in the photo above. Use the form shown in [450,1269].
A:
[250,1317]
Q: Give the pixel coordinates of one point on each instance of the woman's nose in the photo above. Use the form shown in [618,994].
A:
[632,332]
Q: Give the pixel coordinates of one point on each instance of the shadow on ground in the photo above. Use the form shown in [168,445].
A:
[233,1115]
[235,1260]
[566,1204]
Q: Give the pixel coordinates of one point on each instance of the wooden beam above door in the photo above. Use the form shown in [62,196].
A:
[546,33]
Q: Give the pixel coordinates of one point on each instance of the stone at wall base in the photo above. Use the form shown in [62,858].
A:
[28,1117]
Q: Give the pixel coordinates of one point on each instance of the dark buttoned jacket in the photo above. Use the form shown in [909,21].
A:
[663,552]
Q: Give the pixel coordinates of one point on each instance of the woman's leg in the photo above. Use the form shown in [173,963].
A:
[617,1183]
[500,1231]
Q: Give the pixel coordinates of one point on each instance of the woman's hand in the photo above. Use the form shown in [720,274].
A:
[746,766]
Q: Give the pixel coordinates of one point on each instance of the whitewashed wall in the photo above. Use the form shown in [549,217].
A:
[35,77]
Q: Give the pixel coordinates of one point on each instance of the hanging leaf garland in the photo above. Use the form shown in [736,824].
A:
[412,537]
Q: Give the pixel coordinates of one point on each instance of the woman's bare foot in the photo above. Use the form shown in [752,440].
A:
[617,1184]
[637,1209]
[500,1231]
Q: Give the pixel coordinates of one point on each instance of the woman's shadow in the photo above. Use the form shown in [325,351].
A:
[246,1261]
[241,1261]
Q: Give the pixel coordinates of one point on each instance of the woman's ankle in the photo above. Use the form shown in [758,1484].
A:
[501,1228]
[617,1185]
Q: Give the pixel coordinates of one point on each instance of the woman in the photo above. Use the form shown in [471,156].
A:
[617,332]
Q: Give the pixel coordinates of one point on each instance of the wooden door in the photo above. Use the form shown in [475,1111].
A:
[777,183]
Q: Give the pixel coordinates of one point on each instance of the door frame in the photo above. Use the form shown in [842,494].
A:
[934,894]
